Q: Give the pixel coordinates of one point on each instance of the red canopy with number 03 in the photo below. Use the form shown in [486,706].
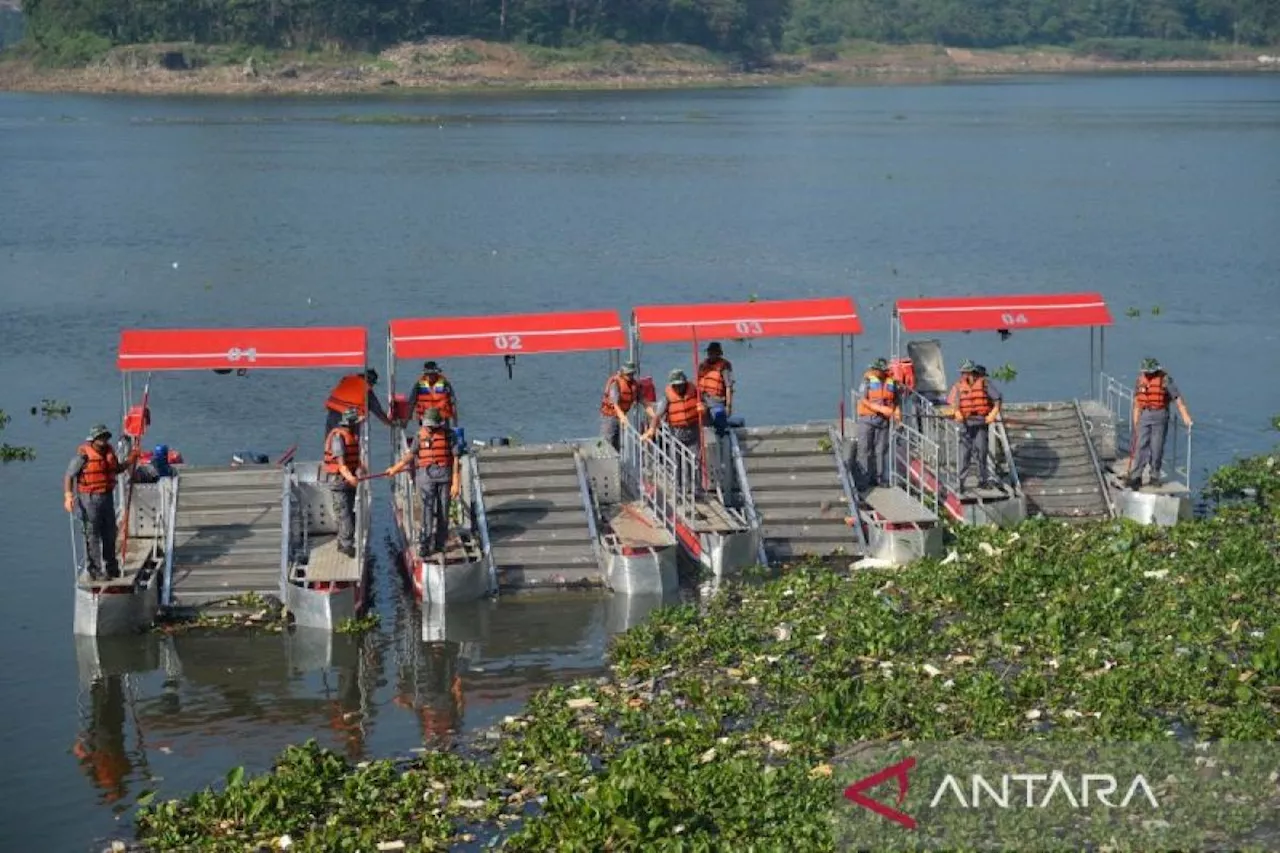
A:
[657,324]
[992,313]
[506,334]
[258,349]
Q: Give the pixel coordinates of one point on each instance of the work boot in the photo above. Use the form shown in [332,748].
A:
[1134,483]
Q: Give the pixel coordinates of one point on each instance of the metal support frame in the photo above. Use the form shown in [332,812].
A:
[1117,398]
[744,488]
[850,490]
[479,520]
[589,506]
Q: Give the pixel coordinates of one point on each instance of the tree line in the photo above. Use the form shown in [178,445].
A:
[747,27]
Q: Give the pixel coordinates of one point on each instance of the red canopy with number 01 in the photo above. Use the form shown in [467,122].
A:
[507,334]
[217,349]
[992,313]
[657,324]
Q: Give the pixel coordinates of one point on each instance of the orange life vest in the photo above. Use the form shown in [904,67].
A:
[351,392]
[434,395]
[626,395]
[682,411]
[435,447]
[1151,394]
[711,377]
[903,371]
[881,391]
[98,476]
[973,401]
[350,451]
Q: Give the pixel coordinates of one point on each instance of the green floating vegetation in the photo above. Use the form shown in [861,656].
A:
[11,452]
[1005,372]
[250,611]
[1132,312]
[52,409]
[720,724]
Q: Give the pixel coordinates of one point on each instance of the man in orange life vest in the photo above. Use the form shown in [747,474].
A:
[621,391]
[683,410]
[878,404]
[354,391]
[975,403]
[89,488]
[433,390]
[715,383]
[436,465]
[1154,393]
[342,468]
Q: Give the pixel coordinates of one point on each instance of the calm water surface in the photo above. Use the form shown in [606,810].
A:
[1157,191]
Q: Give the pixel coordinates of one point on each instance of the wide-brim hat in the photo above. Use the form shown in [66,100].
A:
[675,377]
[1150,365]
[98,431]
[430,367]
[431,417]
[879,364]
[350,416]
[629,368]
[968,367]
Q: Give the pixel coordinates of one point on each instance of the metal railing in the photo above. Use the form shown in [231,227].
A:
[650,474]
[915,466]
[947,453]
[1117,398]
[1093,457]
[589,505]
[288,505]
[846,482]
[744,489]
[170,528]
[479,520]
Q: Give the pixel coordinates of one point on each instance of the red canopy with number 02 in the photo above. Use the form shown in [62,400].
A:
[219,349]
[657,324]
[506,334]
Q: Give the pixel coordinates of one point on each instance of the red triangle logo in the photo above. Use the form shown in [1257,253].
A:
[897,771]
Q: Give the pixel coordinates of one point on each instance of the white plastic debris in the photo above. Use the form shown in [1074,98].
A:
[1033,714]
[284,842]
[1158,574]
[931,670]
[952,556]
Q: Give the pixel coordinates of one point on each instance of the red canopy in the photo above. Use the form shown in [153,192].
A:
[507,334]
[988,313]
[658,324]
[203,349]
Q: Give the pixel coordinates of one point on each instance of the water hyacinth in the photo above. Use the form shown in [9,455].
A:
[719,726]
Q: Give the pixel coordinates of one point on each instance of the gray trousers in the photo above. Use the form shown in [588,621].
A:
[688,436]
[1153,426]
[433,534]
[974,443]
[873,446]
[611,431]
[344,508]
[98,515]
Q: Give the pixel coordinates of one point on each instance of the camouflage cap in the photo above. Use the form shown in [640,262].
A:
[98,431]
[879,364]
[968,367]
[350,416]
[676,377]
[628,368]
[1150,365]
[431,417]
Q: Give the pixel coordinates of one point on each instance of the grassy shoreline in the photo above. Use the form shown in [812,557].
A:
[724,724]
[464,65]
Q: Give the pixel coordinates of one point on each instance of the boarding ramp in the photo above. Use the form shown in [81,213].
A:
[665,477]
[1109,419]
[228,537]
[928,455]
[793,484]
[539,515]
[1060,472]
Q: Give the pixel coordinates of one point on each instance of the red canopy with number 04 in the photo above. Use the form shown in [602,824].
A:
[218,349]
[507,334]
[992,313]
[657,324]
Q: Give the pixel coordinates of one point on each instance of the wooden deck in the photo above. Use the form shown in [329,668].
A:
[142,552]
[714,518]
[325,564]
[632,528]
[897,507]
